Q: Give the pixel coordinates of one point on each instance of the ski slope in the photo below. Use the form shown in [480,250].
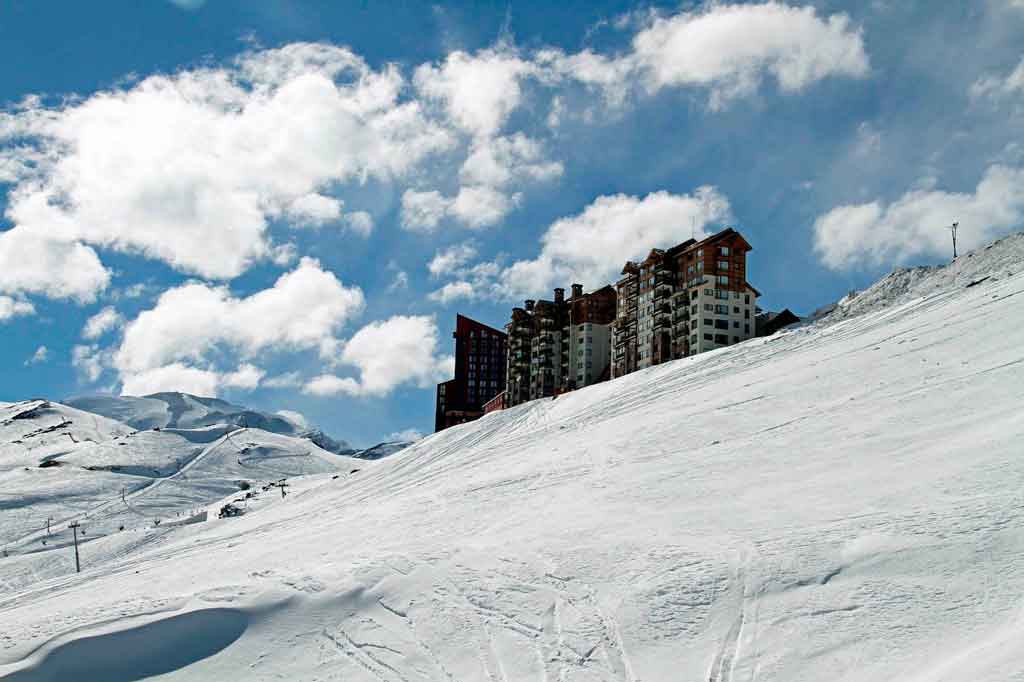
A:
[842,501]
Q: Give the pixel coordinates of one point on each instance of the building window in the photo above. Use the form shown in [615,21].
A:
[707,322]
[723,280]
[722,309]
[693,339]
[722,339]
[736,309]
[708,307]
[746,313]
[708,337]
[721,324]
[723,265]
[747,299]
[735,325]
[746,329]
[735,339]
[723,250]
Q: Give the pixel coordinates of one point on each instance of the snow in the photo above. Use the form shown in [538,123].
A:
[841,501]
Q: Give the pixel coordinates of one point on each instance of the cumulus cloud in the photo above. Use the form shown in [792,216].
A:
[500,161]
[314,210]
[303,310]
[173,377]
[614,229]
[286,380]
[447,261]
[359,223]
[90,360]
[99,324]
[41,355]
[479,91]
[474,206]
[454,291]
[12,307]
[387,354]
[729,49]
[188,168]
[32,262]
[915,225]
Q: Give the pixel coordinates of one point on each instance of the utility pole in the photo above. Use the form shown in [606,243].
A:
[952,229]
[283,485]
[74,527]
[48,520]
[122,496]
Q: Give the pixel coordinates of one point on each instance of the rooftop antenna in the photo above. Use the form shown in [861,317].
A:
[952,229]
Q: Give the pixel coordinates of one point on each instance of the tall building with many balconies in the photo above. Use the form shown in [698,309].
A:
[559,345]
[682,301]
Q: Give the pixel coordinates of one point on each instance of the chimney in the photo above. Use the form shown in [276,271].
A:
[529,305]
[577,290]
[559,295]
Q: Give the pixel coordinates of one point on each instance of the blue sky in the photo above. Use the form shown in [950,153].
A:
[286,203]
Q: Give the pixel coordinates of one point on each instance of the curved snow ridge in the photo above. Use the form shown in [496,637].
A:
[156,647]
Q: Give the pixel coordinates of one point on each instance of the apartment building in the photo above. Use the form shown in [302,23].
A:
[559,345]
[480,368]
[681,301]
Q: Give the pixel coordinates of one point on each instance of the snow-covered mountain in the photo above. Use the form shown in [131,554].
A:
[841,501]
[381,450]
[182,410]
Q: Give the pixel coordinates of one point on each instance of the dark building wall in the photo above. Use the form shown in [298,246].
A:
[480,367]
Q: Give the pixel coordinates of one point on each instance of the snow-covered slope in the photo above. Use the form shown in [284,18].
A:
[1002,258]
[185,411]
[840,501]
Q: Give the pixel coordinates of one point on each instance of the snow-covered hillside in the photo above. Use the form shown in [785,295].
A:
[842,501]
[185,411]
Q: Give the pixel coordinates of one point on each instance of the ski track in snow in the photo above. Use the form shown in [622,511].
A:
[842,501]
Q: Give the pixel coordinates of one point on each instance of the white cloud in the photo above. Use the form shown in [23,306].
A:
[99,324]
[172,377]
[41,355]
[454,257]
[475,207]
[729,49]
[90,360]
[496,162]
[314,210]
[453,291]
[613,229]
[32,263]
[478,91]
[482,206]
[303,310]
[917,224]
[246,376]
[359,223]
[997,87]
[404,436]
[331,385]
[12,307]
[423,211]
[389,353]
[286,380]
[188,168]
[294,417]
